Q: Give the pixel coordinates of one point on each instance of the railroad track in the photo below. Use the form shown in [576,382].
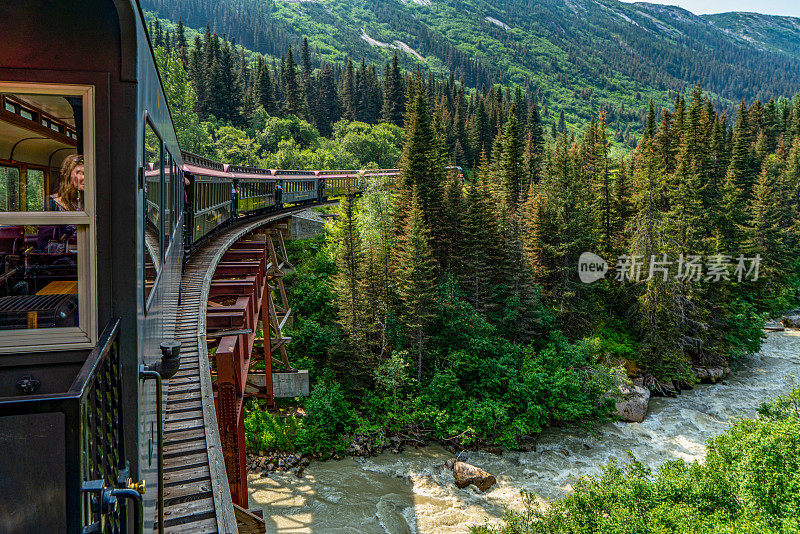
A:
[197,496]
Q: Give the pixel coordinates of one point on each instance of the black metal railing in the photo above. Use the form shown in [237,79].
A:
[86,426]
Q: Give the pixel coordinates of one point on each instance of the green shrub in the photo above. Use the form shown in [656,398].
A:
[328,417]
[264,431]
[500,392]
[744,328]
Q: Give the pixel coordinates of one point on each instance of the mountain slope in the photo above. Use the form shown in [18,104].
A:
[577,55]
[777,34]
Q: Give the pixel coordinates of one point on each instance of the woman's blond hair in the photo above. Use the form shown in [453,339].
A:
[66,191]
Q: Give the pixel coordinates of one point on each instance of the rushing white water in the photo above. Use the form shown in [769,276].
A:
[412,492]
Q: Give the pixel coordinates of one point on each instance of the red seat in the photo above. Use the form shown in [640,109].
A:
[11,239]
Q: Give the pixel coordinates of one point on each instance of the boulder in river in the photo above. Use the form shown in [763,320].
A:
[630,402]
[710,375]
[791,321]
[466,474]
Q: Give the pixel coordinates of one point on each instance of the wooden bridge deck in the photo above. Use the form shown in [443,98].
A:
[197,496]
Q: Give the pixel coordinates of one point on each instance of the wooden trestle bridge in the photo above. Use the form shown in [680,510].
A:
[232,299]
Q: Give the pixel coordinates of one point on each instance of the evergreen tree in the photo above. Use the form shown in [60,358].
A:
[226,85]
[181,44]
[393,93]
[197,73]
[347,280]
[347,91]
[422,165]
[650,125]
[453,212]
[293,97]
[601,178]
[263,87]
[770,211]
[479,133]
[509,167]
[740,170]
[623,208]
[327,110]
[482,243]
[416,279]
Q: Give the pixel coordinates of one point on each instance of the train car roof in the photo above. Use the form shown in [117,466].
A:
[256,175]
[335,173]
[289,172]
[205,171]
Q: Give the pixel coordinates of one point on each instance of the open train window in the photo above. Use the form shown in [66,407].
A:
[47,217]
[152,250]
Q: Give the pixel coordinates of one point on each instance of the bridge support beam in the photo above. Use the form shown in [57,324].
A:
[240,303]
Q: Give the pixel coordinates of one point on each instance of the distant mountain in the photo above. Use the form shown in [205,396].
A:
[775,34]
[576,55]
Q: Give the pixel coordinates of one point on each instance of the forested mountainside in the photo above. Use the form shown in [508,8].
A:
[579,55]
[778,34]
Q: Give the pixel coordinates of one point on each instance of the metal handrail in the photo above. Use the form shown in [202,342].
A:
[93,434]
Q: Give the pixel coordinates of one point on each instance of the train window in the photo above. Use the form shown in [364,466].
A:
[47,217]
[9,189]
[21,188]
[166,205]
[151,242]
[177,196]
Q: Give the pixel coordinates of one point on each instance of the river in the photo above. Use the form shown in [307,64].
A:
[412,492]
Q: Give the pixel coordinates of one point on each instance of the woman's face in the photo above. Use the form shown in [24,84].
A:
[77,177]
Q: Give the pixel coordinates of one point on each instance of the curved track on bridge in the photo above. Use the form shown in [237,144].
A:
[197,495]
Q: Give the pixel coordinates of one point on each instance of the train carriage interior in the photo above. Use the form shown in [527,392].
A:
[39,134]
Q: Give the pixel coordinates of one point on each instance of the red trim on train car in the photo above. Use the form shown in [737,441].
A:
[204,171]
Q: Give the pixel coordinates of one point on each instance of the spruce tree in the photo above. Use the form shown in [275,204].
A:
[482,243]
[623,208]
[393,93]
[198,75]
[509,168]
[453,212]
[416,279]
[264,93]
[329,110]
[740,170]
[347,280]
[348,93]
[650,124]
[293,97]
[479,133]
[422,164]
[181,44]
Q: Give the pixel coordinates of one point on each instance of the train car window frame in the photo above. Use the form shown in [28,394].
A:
[148,297]
[167,201]
[85,334]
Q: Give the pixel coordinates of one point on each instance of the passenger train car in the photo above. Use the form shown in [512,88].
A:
[221,194]
[99,208]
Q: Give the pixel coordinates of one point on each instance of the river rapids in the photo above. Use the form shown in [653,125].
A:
[413,493]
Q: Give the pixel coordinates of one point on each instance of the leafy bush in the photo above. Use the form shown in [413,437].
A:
[264,431]
[328,416]
[745,328]
[499,391]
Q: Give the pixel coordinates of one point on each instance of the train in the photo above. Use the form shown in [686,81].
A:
[99,211]
[219,194]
